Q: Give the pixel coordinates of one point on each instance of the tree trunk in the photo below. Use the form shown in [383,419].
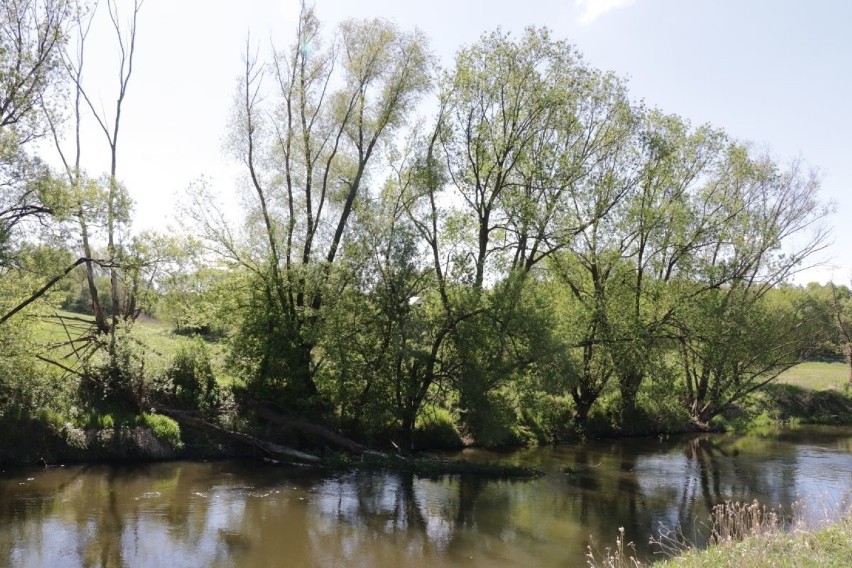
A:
[629,387]
[849,361]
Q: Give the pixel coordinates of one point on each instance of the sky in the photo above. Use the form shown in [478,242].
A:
[777,73]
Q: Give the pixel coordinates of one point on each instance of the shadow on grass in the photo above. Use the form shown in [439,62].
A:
[790,402]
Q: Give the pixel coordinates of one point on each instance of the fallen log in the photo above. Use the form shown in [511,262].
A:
[309,428]
[269,448]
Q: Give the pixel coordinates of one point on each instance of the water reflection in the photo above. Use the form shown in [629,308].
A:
[243,514]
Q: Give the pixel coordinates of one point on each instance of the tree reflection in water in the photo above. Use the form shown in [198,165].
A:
[231,513]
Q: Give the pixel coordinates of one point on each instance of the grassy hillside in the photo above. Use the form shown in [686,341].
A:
[154,337]
[815,375]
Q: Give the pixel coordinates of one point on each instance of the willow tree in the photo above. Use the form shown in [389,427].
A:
[525,134]
[307,128]
[524,127]
[32,36]
[732,341]
[668,216]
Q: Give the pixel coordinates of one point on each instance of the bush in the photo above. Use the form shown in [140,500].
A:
[28,389]
[435,429]
[116,382]
[163,428]
[546,416]
[493,422]
[189,381]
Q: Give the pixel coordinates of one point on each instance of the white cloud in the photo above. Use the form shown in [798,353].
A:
[592,9]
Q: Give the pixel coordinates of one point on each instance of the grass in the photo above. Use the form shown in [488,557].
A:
[816,375]
[155,337]
[162,427]
[745,535]
[827,547]
[812,392]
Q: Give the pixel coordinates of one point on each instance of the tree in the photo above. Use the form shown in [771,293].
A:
[32,35]
[732,341]
[384,335]
[104,202]
[525,125]
[307,160]
[839,312]
[665,221]
[533,142]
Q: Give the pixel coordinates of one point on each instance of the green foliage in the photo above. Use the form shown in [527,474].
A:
[546,416]
[163,428]
[546,257]
[733,341]
[189,381]
[28,386]
[271,353]
[658,410]
[199,299]
[435,429]
[115,379]
[103,421]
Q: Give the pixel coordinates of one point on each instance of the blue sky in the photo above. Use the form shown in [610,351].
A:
[775,72]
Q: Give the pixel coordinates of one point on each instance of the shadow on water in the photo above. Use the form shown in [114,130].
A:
[239,513]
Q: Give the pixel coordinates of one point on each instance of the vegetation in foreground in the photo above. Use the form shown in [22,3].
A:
[746,536]
[827,547]
[543,259]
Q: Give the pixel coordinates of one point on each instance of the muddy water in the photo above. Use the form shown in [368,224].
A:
[249,514]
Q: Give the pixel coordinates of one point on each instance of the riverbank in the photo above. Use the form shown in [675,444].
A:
[50,438]
[811,393]
[743,536]
[153,437]
[827,547]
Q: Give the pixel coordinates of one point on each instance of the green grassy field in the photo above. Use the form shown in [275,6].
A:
[154,337]
[815,375]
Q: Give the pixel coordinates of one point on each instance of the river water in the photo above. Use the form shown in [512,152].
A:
[234,513]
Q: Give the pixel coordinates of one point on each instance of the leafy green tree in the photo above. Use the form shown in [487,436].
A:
[530,137]
[32,36]
[733,341]
[665,220]
[308,159]
[523,125]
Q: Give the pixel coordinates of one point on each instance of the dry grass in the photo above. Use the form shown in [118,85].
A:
[619,556]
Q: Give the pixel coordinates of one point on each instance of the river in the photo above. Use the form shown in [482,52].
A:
[233,513]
